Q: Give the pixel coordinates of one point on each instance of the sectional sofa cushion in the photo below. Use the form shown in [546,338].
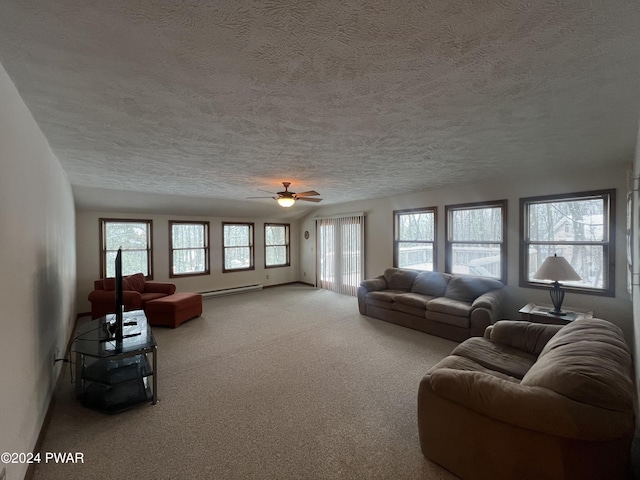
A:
[136,282]
[433,284]
[467,288]
[496,357]
[400,278]
[385,295]
[597,379]
[416,300]
[526,336]
[450,307]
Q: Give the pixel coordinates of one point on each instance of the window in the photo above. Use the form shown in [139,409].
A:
[577,226]
[414,238]
[276,245]
[237,239]
[475,240]
[189,248]
[134,237]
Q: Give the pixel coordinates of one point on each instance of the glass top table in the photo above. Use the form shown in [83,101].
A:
[113,374]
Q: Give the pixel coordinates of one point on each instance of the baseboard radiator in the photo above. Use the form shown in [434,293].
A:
[231,291]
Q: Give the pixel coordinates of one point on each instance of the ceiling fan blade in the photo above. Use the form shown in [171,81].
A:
[275,198]
[310,193]
[305,199]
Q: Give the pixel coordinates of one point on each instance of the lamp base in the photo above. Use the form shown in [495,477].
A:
[557,296]
[557,314]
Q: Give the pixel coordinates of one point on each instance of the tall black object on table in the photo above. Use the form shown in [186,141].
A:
[113,374]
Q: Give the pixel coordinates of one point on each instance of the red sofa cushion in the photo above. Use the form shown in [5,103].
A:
[110,284]
[136,282]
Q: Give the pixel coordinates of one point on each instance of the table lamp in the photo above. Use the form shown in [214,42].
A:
[556,268]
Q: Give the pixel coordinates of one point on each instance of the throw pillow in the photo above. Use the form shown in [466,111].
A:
[136,282]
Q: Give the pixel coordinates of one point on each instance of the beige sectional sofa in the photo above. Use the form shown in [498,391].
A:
[532,401]
[451,306]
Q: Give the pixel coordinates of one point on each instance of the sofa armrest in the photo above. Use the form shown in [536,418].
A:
[533,408]
[526,336]
[374,284]
[485,310]
[366,286]
[160,287]
[491,300]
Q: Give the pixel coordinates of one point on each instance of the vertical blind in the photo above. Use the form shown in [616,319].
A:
[340,253]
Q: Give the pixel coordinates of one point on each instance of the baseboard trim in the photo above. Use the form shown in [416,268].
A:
[288,283]
[635,456]
[38,446]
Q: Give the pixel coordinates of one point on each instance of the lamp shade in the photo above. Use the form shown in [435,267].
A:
[286,201]
[556,269]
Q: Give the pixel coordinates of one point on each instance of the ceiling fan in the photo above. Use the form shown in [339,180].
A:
[287,198]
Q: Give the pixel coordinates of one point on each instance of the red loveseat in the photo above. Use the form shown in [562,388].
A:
[137,291]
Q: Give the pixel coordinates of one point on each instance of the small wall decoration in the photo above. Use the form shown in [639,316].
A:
[306,234]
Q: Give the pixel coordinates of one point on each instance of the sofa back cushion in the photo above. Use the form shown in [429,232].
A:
[589,362]
[431,283]
[467,288]
[136,282]
[110,284]
[400,278]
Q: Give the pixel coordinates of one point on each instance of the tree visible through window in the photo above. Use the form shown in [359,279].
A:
[414,238]
[276,245]
[238,246]
[189,248]
[577,226]
[134,237]
[476,242]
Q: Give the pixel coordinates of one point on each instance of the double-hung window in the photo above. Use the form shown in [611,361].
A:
[134,237]
[476,239]
[414,238]
[238,253]
[189,248]
[577,226]
[276,245]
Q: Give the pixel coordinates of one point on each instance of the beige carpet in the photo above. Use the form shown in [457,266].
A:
[289,382]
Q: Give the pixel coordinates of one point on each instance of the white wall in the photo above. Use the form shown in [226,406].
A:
[87,230]
[379,233]
[636,282]
[37,276]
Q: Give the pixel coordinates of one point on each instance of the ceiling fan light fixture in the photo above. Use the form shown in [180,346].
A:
[286,201]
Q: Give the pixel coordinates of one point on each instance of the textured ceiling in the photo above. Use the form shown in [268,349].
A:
[191,106]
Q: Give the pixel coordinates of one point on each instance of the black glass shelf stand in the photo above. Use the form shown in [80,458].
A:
[113,375]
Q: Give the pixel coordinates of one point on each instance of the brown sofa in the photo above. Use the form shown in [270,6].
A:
[136,293]
[451,306]
[532,401]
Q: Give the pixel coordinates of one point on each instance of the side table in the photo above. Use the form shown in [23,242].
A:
[543,314]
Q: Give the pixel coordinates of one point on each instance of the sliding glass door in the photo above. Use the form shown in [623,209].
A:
[340,253]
